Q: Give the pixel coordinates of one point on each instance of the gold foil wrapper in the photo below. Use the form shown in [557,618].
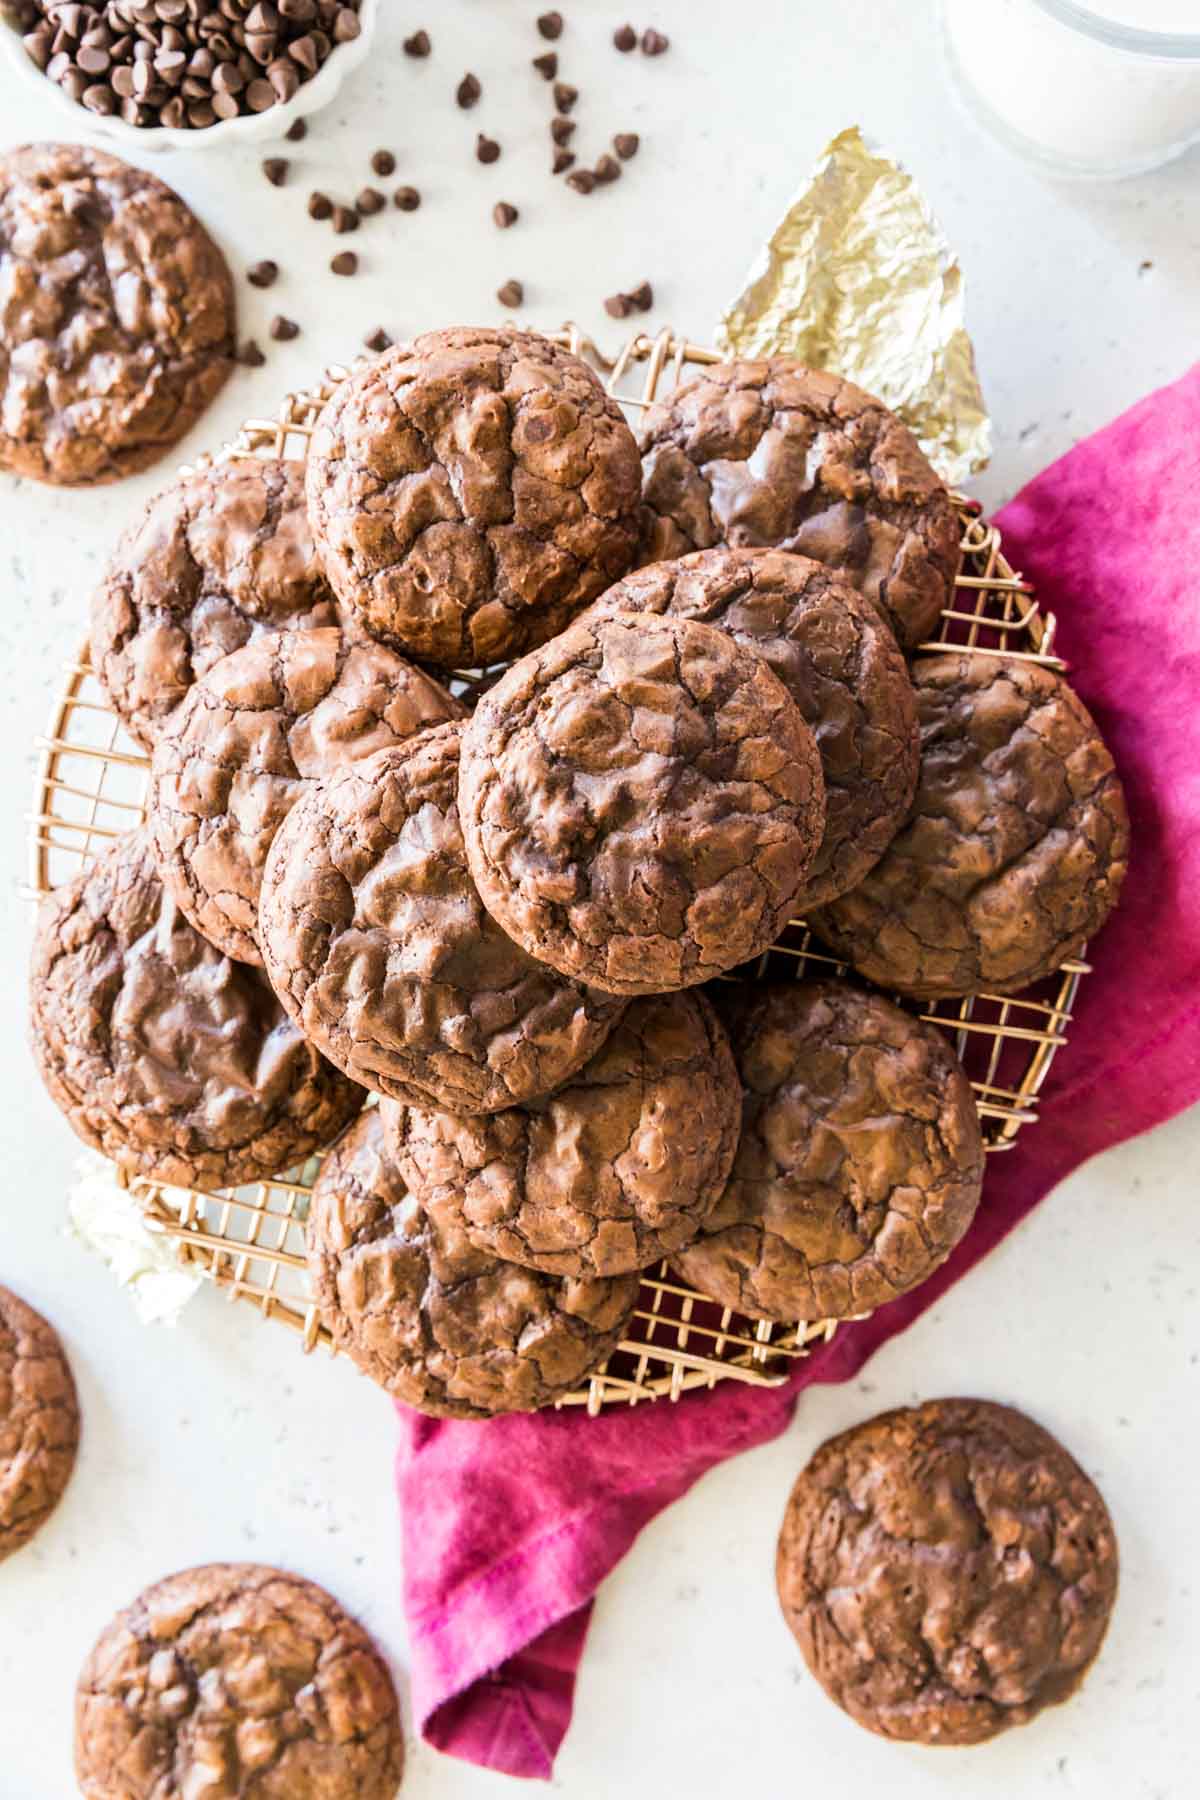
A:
[857,278]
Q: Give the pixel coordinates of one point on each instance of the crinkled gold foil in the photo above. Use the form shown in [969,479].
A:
[858,278]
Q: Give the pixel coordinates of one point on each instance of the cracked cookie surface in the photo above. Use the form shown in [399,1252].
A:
[117,318]
[948,1570]
[217,558]
[641,803]
[383,953]
[174,1061]
[247,740]
[443,1325]
[471,492]
[1016,846]
[773,453]
[860,1160]
[838,661]
[39,1422]
[619,1168]
[236,1682]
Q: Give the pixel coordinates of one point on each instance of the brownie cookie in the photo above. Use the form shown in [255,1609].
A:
[860,1159]
[176,1062]
[216,559]
[471,492]
[236,1680]
[39,1422]
[616,1170]
[247,740]
[947,1570]
[117,327]
[641,803]
[382,952]
[842,667]
[773,453]
[442,1325]
[1016,846]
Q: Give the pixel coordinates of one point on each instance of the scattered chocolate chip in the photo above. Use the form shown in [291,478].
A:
[275,168]
[344,263]
[654,43]
[626,144]
[625,37]
[419,44]
[282,329]
[320,206]
[250,356]
[561,129]
[642,297]
[618,306]
[563,159]
[487,150]
[384,163]
[296,131]
[370,201]
[468,91]
[550,25]
[345,219]
[607,168]
[378,340]
[547,65]
[263,274]
[504,214]
[565,96]
[407,199]
[581,181]
[511,294]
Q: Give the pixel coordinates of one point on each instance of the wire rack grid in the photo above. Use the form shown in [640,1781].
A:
[90,788]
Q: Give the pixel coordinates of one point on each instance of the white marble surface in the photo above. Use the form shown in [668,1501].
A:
[217,1439]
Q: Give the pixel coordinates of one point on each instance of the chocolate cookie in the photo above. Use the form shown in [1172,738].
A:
[247,739]
[1016,846]
[773,453]
[471,492]
[839,662]
[641,803]
[860,1159]
[445,1327]
[39,1422]
[382,952]
[176,1062]
[117,328]
[947,1570]
[236,1680]
[216,559]
[621,1167]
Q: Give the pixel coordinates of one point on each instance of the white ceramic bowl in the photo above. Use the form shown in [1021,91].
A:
[249,128]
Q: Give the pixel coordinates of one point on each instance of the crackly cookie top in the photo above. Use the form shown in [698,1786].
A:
[948,1570]
[860,1160]
[236,1682]
[117,317]
[641,802]
[471,492]
[445,1326]
[382,951]
[163,1054]
[1016,846]
[620,1167]
[842,667]
[217,558]
[773,453]
[240,749]
[39,1422]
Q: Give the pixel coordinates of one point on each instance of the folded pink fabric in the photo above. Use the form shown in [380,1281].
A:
[509,1527]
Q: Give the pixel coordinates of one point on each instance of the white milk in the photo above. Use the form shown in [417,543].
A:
[1062,93]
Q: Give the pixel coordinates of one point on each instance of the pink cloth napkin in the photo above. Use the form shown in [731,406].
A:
[509,1527]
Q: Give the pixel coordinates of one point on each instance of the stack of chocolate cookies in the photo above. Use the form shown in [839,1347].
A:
[528,926]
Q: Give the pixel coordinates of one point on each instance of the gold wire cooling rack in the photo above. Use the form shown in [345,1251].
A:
[90,787]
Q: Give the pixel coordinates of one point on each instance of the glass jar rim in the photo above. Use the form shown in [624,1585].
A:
[1168,46]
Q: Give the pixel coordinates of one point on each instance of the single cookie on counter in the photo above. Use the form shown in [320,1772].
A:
[246,741]
[163,1054]
[619,1168]
[840,663]
[1016,846]
[118,325]
[860,1160]
[39,1422]
[948,1571]
[776,454]
[641,803]
[217,558]
[470,492]
[383,953]
[236,1679]
[444,1326]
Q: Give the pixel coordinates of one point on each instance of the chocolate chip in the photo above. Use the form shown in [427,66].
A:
[581,181]
[378,340]
[563,159]
[320,206]
[561,129]
[468,91]
[250,356]
[384,163]
[565,96]
[419,44]
[263,274]
[618,306]
[282,329]
[550,25]
[546,65]
[345,219]
[626,144]
[511,294]
[275,168]
[370,201]
[642,297]
[504,215]
[344,263]
[625,37]
[407,199]
[654,43]
[296,131]
[607,168]
[487,150]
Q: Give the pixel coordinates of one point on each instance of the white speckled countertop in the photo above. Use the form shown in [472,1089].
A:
[217,1440]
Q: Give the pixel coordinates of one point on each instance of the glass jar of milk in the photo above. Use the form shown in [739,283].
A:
[1085,87]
